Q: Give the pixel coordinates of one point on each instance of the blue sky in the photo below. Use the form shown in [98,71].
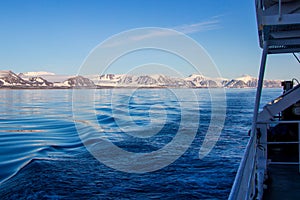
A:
[56,36]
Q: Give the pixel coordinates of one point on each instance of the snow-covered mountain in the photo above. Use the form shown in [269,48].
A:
[197,80]
[10,79]
[39,81]
[247,81]
[193,81]
[78,82]
[49,76]
[127,80]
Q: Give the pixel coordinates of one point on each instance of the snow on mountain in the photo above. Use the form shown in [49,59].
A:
[108,79]
[171,81]
[49,76]
[247,81]
[10,79]
[39,81]
[198,80]
[40,73]
[194,80]
[272,83]
[127,80]
[246,78]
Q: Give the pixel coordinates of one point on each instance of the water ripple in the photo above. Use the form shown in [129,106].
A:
[42,156]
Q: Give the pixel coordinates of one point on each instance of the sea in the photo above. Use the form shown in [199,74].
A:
[123,143]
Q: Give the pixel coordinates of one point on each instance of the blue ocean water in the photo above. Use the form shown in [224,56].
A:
[43,157]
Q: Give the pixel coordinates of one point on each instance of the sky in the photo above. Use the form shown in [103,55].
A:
[58,35]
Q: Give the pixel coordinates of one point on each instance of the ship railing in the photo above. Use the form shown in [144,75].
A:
[244,183]
[264,128]
[248,183]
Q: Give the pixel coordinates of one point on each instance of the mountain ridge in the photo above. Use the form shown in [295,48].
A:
[48,80]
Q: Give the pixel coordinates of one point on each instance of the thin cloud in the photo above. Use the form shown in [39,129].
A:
[212,24]
[140,37]
[152,34]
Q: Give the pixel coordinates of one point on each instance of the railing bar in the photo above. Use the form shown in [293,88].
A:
[299,145]
[279,122]
[283,163]
[239,182]
[281,143]
[279,11]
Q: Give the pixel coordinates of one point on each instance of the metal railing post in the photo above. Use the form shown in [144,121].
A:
[279,10]
[259,87]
